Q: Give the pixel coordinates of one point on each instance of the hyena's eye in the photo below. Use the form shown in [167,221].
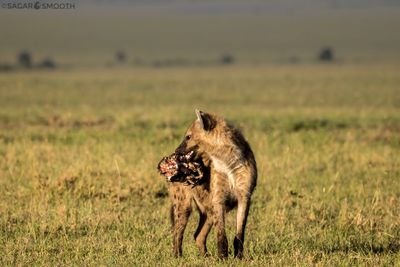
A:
[188,137]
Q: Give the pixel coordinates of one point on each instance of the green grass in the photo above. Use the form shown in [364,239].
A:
[78,151]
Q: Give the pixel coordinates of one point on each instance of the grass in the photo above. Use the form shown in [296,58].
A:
[78,184]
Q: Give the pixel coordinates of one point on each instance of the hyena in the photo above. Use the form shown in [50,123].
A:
[229,181]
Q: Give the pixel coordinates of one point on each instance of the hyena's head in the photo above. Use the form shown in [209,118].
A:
[204,134]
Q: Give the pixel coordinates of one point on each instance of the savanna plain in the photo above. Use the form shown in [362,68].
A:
[79,149]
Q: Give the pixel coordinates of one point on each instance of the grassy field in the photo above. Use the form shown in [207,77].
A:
[79,148]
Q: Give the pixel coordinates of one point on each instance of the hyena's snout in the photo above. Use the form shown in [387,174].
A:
[184,148]
[181,148]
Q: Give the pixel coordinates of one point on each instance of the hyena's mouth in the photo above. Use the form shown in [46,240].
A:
[182,167]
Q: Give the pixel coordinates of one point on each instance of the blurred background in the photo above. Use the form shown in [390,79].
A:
[182,32]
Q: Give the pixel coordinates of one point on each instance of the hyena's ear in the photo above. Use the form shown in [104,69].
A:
[207,122]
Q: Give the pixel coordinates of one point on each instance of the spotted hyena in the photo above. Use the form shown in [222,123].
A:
[229,180]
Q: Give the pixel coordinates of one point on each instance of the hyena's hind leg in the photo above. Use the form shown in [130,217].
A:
[203,229]
[180,213]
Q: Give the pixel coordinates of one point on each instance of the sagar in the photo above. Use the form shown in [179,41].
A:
[184,168]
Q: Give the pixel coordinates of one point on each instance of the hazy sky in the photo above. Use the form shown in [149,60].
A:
[250,5]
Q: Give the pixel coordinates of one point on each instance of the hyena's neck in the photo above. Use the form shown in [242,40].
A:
[227,161]
[228,154]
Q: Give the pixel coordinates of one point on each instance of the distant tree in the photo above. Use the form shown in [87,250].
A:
[120,56]
[25,59]
[47,63]
[227,59]
[326,54]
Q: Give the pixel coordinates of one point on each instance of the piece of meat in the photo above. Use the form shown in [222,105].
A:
[184,168]
[168,166]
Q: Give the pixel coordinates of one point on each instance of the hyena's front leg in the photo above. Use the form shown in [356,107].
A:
[180,213]
[219,221]
[218,186]
[241,220]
